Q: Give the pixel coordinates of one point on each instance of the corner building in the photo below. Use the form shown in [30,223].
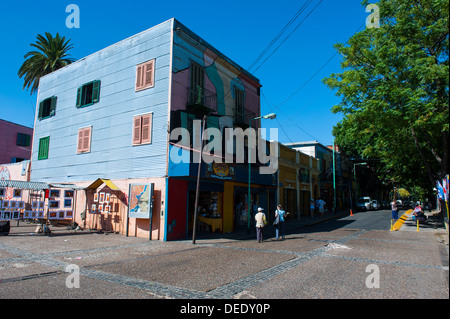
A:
[103,125]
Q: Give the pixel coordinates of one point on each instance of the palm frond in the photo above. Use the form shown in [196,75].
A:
[51,55]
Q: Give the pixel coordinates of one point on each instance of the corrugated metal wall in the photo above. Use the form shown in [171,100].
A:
[112,155]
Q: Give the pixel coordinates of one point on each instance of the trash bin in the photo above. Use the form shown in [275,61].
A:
[4,227]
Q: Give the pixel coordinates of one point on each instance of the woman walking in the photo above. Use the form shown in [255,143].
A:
[280,216]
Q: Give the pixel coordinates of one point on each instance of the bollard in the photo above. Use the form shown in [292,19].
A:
[392,224]
[418,225]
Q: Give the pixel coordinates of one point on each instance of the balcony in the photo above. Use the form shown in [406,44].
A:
[201,100]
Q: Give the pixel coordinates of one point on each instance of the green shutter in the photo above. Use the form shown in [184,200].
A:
[43,148]
[41,109]
[79,96]
[96,92]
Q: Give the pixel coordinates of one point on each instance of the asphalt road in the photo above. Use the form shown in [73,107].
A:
[370,220]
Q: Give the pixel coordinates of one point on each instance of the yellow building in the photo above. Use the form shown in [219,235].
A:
[298,181]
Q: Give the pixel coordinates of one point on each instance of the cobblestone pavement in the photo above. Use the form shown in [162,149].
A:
[309,263]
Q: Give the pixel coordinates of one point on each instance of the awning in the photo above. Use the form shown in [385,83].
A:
[37,186]
[108,183]
[65,186]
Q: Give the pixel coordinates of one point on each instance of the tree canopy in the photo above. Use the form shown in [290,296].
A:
[51,56]
[394,90]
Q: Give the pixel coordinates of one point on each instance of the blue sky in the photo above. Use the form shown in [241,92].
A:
[241,29]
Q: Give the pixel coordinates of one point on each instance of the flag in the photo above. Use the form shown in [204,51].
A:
[440,190]
[445,187]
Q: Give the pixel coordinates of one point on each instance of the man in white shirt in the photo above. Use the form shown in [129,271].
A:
[260,218]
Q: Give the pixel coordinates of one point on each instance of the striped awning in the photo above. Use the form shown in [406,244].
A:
[37,186]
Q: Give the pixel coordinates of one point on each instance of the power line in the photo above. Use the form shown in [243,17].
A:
[299,12]
[301,22]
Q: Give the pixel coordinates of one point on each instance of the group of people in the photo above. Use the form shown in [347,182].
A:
[280,218]
[317,206]
[261,221]
[418,213]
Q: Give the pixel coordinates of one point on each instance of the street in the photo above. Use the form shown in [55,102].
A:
[351,257]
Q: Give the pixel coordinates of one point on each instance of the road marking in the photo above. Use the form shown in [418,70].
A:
[399,223]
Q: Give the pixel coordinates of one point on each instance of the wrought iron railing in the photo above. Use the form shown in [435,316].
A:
[199,96]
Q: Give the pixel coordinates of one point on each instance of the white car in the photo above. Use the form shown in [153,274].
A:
[364,203]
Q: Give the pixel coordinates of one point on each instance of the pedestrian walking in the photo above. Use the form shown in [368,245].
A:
[312,207]
[260,219]
[280,216]
[394,210]
[321,205]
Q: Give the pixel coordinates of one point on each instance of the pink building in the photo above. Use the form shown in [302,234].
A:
[15,142]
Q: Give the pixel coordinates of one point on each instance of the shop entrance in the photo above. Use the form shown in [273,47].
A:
[210,216]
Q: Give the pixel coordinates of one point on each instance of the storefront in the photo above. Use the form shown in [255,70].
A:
[223,199]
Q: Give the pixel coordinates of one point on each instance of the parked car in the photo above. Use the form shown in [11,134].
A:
[375,204]
[364,203]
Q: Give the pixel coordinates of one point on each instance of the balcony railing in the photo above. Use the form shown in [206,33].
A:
[201,97]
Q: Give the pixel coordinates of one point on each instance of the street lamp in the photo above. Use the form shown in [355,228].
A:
[270,116]
[205,118]
[354,176]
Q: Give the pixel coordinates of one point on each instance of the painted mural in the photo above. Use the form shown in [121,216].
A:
[219,79]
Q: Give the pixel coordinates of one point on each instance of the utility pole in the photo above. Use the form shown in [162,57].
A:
[198,181]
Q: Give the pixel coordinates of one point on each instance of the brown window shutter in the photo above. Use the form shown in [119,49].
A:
[139,77]
[84,140]
[87,140]
[149,73]
[137,130]
[80,141]
[146,128]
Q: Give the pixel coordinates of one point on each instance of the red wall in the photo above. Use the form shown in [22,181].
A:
[177,208]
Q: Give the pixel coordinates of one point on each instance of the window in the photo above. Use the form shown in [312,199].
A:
[239,98]
[23,139]
[142,129]
[47,108]
[145,75]
[84,140]
[17,159]
[43,148]
[88,94]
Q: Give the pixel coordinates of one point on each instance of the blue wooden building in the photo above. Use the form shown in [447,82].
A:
[103,123]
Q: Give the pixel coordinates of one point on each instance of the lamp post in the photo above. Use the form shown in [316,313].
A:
[354,176]
[198,180]
[205,118]
[270,116]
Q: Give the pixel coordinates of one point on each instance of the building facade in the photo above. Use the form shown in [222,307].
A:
[15,142]
[298,181]
[108,124]
[334,178]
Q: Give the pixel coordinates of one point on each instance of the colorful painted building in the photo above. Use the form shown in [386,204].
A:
[106,124]
[298,181]
[15,142]
[333,178]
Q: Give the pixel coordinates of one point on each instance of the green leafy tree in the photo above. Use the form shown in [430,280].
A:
[52,55]
[394,91]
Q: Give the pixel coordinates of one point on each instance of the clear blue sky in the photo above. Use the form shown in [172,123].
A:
[241,29]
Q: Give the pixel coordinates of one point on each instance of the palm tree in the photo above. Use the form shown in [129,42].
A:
[52,55]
